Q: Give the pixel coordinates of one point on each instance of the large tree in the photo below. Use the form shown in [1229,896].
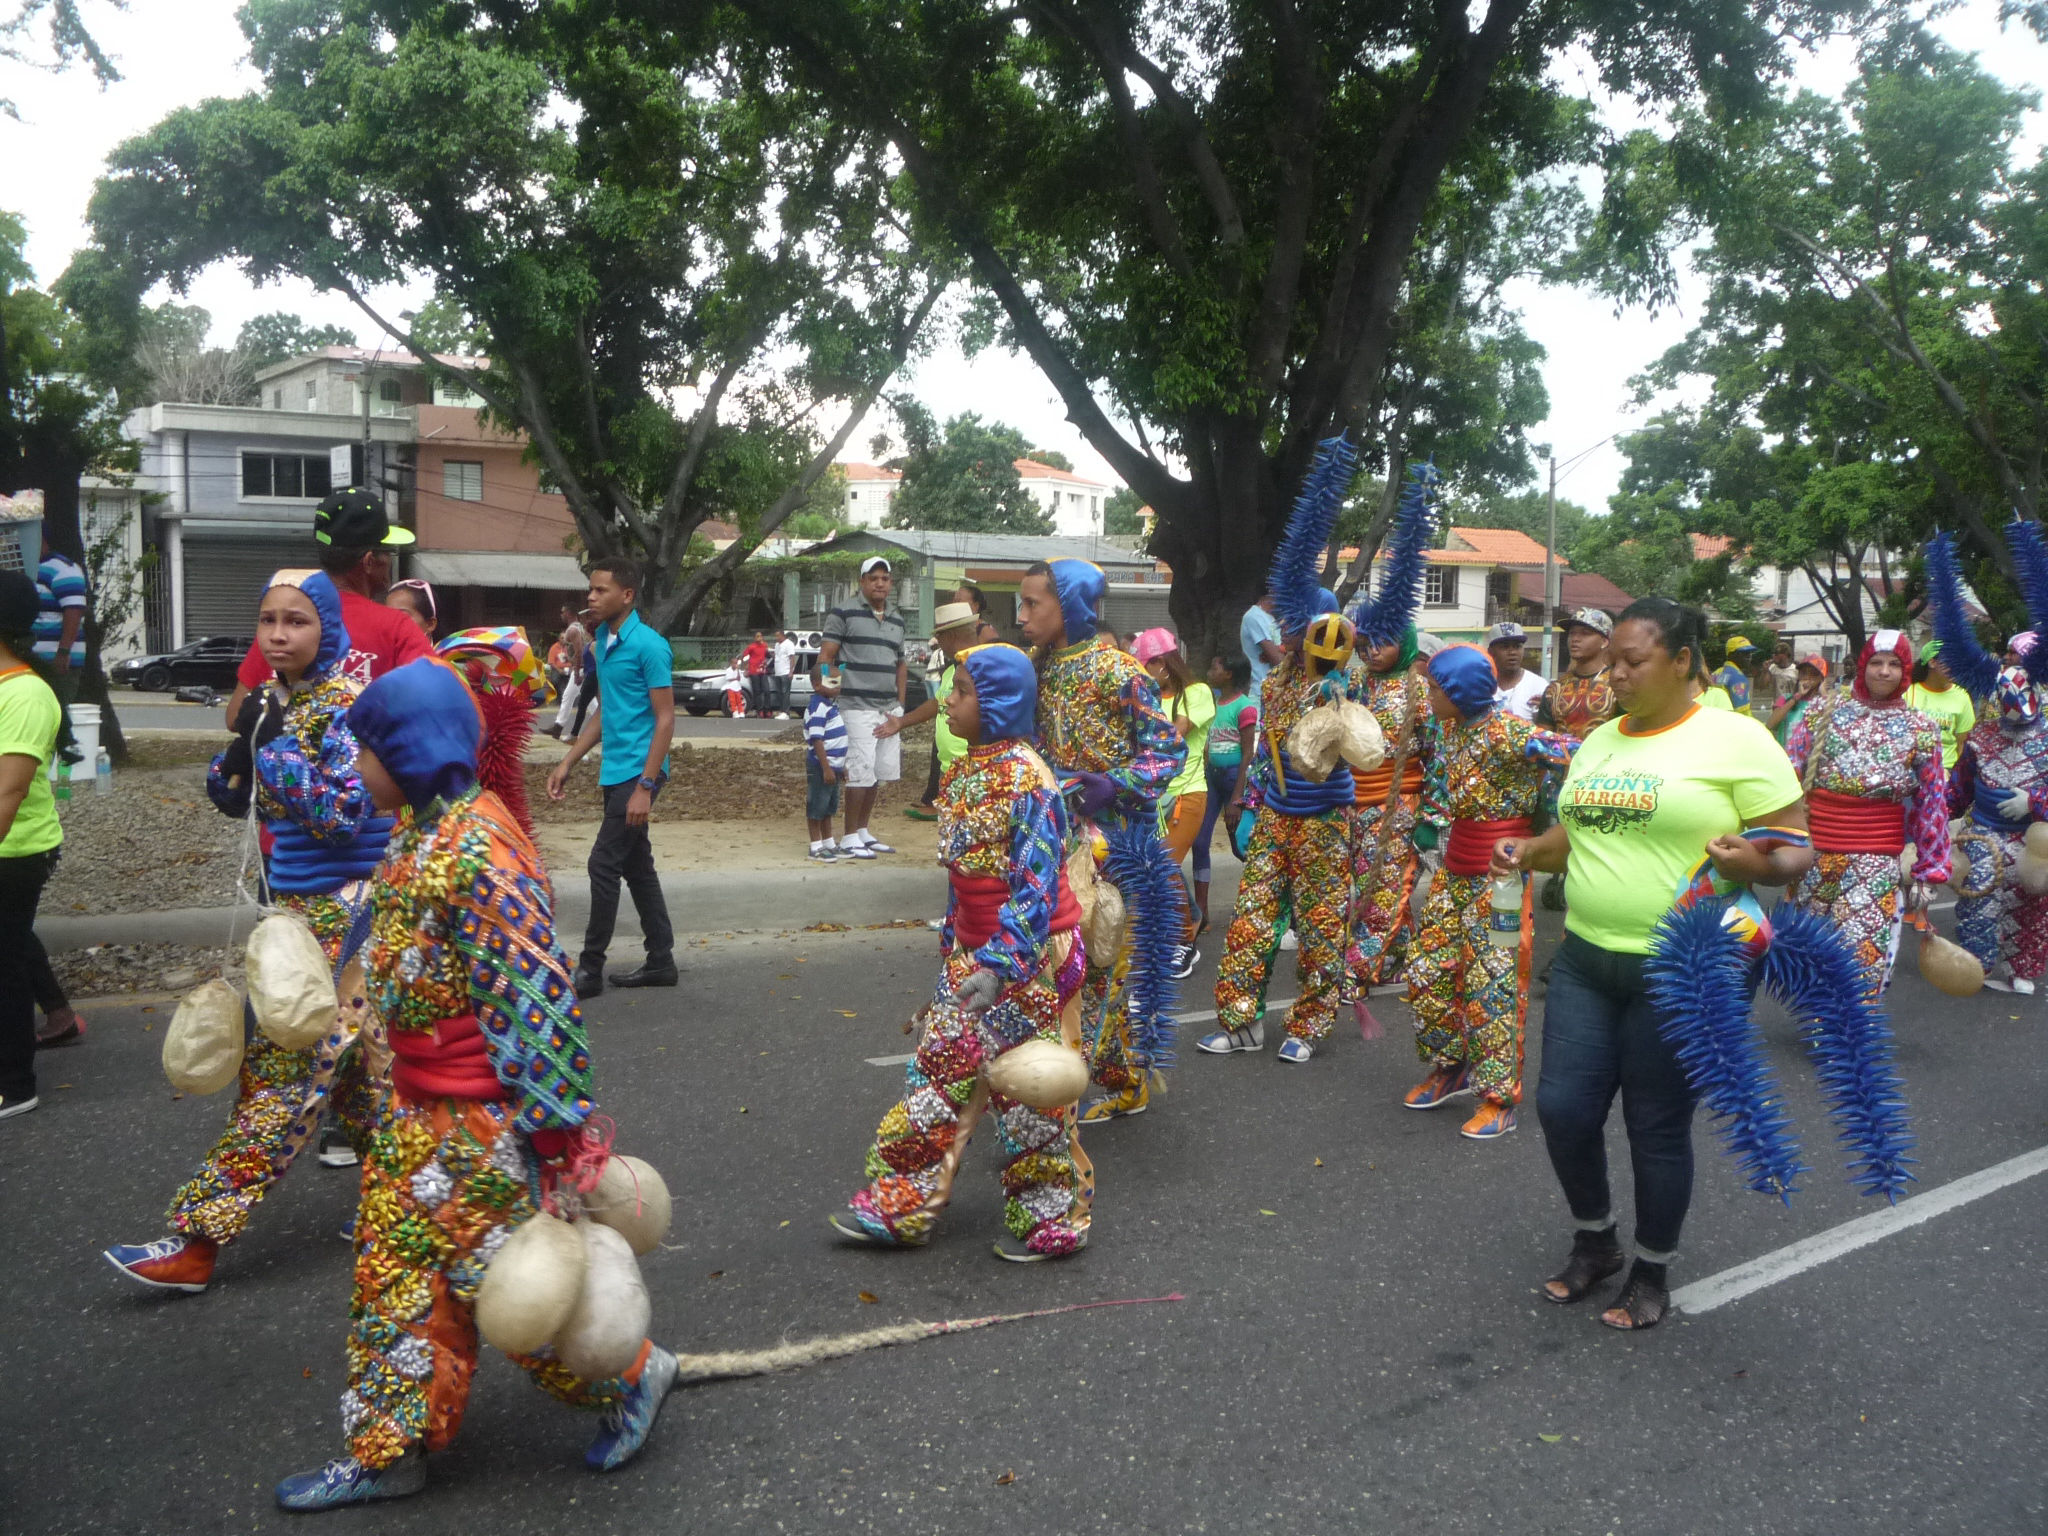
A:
[635,219]
[1200,222]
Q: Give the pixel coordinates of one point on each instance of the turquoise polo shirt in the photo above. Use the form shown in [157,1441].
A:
[632,662]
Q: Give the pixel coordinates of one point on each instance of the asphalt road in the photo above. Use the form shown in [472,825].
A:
[160,712]
[1360,1346]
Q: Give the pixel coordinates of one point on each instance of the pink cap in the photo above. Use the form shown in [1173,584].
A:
[1155,642]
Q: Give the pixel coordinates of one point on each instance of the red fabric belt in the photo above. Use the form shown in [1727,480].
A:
[1470,850]
[450,1063]
[978,901]
[1852,824]
[1372,788]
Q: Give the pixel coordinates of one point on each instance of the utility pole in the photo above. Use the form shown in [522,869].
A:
[365,389]
[1550,570]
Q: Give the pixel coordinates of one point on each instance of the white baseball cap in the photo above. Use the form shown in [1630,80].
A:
[871,562]
[1506,629]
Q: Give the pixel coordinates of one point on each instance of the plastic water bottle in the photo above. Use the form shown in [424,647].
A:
[60,779]
[103,774]
[1504,911]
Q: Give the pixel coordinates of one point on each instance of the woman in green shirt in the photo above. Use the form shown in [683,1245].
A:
[32,727]
[1647,794]
[1191,706]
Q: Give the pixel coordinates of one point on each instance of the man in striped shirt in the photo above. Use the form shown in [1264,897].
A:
[60,623]
[864,642]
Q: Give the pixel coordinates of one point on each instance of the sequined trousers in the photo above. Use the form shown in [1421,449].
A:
[1048,1181]
[1470,997]
[445,1183]
[1996,919]
[1383,875]
[1859,893]
[281,1096]
[1299,867]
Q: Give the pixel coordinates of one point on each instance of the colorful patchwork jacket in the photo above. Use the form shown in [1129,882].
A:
[1099,712]
[1002,818]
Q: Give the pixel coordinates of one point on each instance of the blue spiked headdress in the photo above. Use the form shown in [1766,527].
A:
[1382,619]
[2030,555]
[1142,868]
[1293,579]
[1964,658]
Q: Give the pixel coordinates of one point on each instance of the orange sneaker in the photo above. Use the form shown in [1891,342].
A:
[1441,1086]
[1492,1120]
[168,1264]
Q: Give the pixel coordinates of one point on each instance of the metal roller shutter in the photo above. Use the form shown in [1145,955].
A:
[224,579]
[1132,607]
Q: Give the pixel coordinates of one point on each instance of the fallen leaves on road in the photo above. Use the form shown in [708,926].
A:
[848,1013]
[828,928]
[1006,1479]
[1264,1212]
[715,1274]
[1550,1439]
[869,1297]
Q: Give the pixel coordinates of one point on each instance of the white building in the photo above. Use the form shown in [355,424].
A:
[1073,502]
[870,491]
[1790,604]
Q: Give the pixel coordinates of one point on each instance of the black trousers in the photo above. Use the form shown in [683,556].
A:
[625,853]
[21,956]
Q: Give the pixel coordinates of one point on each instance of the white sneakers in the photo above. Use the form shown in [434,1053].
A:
[1225,1041]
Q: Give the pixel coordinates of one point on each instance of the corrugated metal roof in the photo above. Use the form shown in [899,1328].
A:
[999,548]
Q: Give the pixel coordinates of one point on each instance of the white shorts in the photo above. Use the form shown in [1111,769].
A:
[870,762]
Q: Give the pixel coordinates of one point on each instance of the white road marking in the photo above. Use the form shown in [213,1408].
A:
[1808,1253]
[1186,1018]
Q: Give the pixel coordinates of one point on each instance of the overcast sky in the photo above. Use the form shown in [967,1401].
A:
[173,52]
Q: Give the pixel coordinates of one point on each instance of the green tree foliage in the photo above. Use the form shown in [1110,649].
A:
[1203,223]
[1120,512]
[635,213]
[66,40]
[278,337]
[967,482]
[441,325]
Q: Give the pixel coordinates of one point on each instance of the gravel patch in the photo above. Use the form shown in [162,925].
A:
[155,841]
[108,970]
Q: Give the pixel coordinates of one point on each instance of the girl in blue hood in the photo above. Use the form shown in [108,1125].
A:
[294,756]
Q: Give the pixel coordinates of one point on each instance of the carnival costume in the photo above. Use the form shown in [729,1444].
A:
[1874,782]
[1999,786]
[1114,750]
[1471,997]
[1011,918]
[491,1079]
[293,764]
[1709,955]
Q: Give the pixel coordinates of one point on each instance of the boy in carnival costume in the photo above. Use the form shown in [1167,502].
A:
[294,757]
[1470,997]
[1114,750]
[490,1091]
[1010,972]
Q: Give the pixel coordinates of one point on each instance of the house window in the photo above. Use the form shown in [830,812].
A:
[1440,586]
[277,399]
[284,476]
[462,480]
[312,394]
[446,393]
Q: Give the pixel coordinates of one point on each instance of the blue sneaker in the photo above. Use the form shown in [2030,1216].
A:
[1295,1050]
[347,1481]
[629,1422]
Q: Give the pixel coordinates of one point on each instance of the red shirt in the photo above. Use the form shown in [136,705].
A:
[756,657]
[379,639]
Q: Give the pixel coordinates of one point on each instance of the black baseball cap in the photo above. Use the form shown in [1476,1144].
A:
[354,519]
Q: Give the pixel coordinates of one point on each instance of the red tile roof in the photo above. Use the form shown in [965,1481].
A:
[1585,589]
[1710,546]
[870,472]
[1031,469]
[1505,546]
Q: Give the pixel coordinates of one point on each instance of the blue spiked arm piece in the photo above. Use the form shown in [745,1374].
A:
[1298,595]
[2030,556]
[1964,658]
[1141,868]
[1699,980]
[1381,619]
[1812,971]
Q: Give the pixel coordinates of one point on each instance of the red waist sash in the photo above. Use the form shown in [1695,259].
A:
[1372,788]
[1470,850]
[450,1063]
[1852,824]
[978,899]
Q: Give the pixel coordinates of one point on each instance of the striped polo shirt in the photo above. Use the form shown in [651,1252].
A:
[870,650]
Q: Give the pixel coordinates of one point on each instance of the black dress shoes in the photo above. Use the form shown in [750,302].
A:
[650,974]
[588,982]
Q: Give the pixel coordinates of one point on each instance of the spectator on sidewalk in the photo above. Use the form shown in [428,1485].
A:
[824,766]
[61,604]
[785,671]
[355,539]
[415,599]
[756,659]
[636,720]
[1521,687]
[732,682]
[954,629]
[1258,636]
[865,642]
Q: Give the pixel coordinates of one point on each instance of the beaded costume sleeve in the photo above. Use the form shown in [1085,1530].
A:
[1158,751]
[306,774]
[1002,820]
[1927,807]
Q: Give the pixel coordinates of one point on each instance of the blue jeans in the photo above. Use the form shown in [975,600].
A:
[1221,783]
[1600,1035]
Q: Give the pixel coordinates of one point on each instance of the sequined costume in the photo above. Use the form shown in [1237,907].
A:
[1874,782]
[1002,838]
[490,1063]
[297,757]
[1470,996]
[1297,867]
[1384,863]
[1099,713]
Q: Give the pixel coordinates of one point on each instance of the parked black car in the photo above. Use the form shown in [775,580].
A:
[211,661]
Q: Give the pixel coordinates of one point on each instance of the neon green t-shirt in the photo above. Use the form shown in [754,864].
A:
[1951,709]
[1717,698]
[1198,707]
[1640,811]
[950,746]
[29,714]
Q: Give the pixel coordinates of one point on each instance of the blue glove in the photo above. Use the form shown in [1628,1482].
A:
[1092,793]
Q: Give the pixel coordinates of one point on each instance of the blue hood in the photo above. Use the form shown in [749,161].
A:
[423,723]
[1080,585]
[326,600]
[1006,684]
[1466,675]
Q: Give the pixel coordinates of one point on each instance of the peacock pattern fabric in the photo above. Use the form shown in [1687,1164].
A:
[305,784]
[1384,863]
[1471,997]
[1891,755]
[463,930]
[1297,866]
[1099,712]
[1997,919]
[1001,818]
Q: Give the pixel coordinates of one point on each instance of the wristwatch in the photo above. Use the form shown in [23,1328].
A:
[650,785]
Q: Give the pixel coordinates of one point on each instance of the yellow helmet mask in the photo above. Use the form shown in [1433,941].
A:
[1327,643]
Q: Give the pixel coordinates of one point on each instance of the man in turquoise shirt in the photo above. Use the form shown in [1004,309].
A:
[636,720]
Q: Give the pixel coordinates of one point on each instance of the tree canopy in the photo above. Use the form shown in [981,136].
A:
[965,480]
